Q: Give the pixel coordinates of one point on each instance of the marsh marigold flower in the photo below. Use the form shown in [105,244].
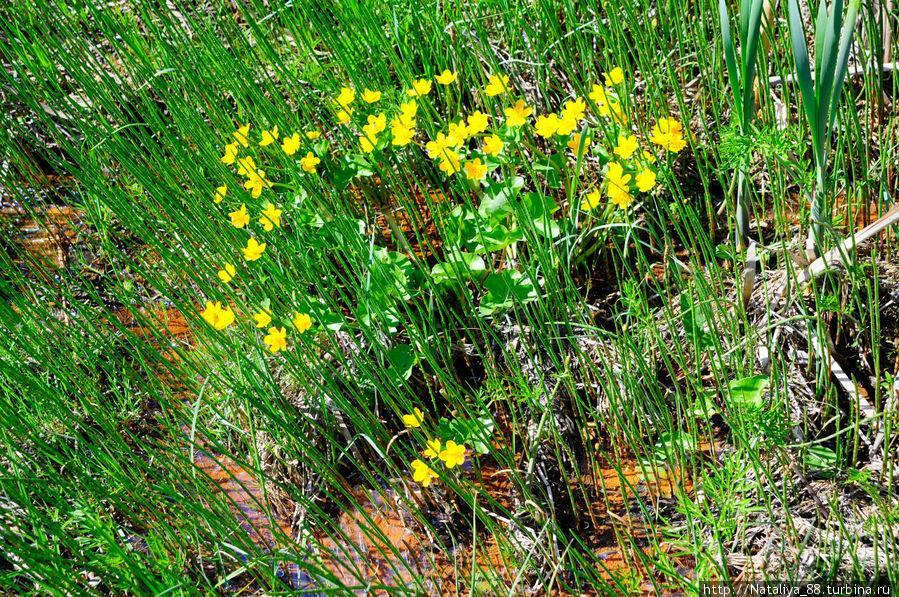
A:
[598,95]
[476,123]
[276,339]
[475,170]
[370,97]
[497,85]
[227,273]
[376,124]
[262,318]
[346,97]
[566,126]
[450,162]
[453,454]
[419,87]
[574,109]
[547,125]
[422,473]
[367,143]
[220,193]
[240,135]
[614,77]
[627,145]
[457,133]
[436,146]
[415,419]
[433,448]
[646,180]
[216,316]
[518,114]
[617,187]
[269,137]
[246,166]
[592,200]
[575,142]
[253,250]
[256,182]
[402,134]
[230,154]
[240,217]
[668,133]
[302,322]
[312,135]
[270,217]
[309,162]
[291,144]
[446,77]
[493,145]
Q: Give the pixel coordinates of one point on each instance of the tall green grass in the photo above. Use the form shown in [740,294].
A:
[140,103]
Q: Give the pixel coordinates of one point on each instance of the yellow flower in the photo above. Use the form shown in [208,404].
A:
[616,113]
[230,154]
[449,162]
[614,76]
[240,217]
[453,454]
[547,125]
[346,97]
[269,137]
[497,85]
[518,114]
[246,166]
[446,77]
[668,133]
[475,170]
[574,109]
[493,145]
[370,97]
[591,200]
[240,135]
[414,419]
[598,95]
[646,180]
[419,87]
[457,134]
[291,145]
[262,318]
[220,193]
[402,134]
[227,274]
[627,145]
[422,473]
[375,125]
[367,143]
[302,322]
[433,448]
[477,123]
[343,115]
[436,147]
[312,135]
[276,339]
[648,157]
[408,112]
[216,316]
[309,162]
[566,126]
[575,141]
[256,183]
[270,217]
[617,187]
[253,250]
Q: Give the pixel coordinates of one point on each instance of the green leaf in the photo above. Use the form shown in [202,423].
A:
[696,326]
[820,457]
[402,360]
[538,209]
[504,290]
[747,393]
[551,168]
[458,268]
[498,194]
